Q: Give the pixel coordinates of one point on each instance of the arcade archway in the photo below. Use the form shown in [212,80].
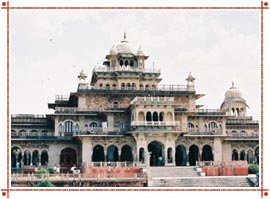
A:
[207,154]
[193,155]
[126,154]
[98,154]
[180,156]
[68,157]
[112,154]
[157,156]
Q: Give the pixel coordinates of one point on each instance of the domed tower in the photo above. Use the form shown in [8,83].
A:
[234,103]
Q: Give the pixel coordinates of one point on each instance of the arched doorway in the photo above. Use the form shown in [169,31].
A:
[207,154]
[257,155]
[68,158]
[234,154]
[193,155]
[141,155]
[157,156]
[35,158]
[126,154]
[27,158]
[242,155]
[112,154]
[98,154]
[155,116]
[169,155]
[148,116]
[180,156]
[250,157]
[16,156]
[44,158]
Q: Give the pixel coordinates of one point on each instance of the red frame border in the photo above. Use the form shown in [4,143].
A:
[5,5]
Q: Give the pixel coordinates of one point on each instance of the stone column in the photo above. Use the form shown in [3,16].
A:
[200,156]
[187,151]
[105,154]
[110,120]
[86,149]
[165,156]
[119,155]
[173,156]
[217,148]
[223,127]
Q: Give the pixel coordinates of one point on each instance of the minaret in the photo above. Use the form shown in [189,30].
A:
[190,82]
[82,76]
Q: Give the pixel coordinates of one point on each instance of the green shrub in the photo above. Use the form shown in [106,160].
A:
[45,183]
[253,169]
[42,171]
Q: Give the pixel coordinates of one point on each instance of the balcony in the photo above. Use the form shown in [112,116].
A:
[160,89]
[153,100]
[29,119]
[76,110]
[37,136]
[208,112]
[96,131]
[155,123]
[205,131]
[125,69]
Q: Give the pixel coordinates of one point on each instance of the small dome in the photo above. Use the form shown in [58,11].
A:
[140,52]
[113,51]
[82,75]
[233,92]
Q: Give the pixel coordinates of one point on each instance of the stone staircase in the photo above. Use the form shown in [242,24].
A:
[188,177]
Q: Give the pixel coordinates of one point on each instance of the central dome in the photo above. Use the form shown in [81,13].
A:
[124,47]
[233,92]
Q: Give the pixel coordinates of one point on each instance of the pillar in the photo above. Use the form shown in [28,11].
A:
[187,157]
[217,148]
[86,149]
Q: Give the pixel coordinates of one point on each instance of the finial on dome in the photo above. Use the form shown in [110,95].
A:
[125,35]
[232,83]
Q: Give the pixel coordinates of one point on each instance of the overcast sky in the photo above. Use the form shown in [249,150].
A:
[49,49]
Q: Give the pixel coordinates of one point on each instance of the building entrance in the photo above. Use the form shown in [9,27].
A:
[157,156]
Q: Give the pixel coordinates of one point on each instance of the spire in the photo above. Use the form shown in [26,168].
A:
[125,36]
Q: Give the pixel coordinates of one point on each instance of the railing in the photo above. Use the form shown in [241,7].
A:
[155,100]
[74,177]
[29,118]
[159,88]
[125,68]
[92,109]
[208,111]
[114,164]
[242,121]
[155,123]
[206,131]
[102,131]
[61,97]
[31,134]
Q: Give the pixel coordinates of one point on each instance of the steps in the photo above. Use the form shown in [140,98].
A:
[160,172]
[188,177]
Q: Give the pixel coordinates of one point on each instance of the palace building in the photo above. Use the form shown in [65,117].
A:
[124,112]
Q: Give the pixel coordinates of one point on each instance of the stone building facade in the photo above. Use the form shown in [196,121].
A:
[124,112]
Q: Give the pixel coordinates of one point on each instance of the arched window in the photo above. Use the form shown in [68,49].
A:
[68,127]
[154,87]
[133,86]
[93,124]
[191,127]
[100,86]
[155,116]
[34,133]
[243,133]
[77,128]
[169,155]
[114,86]
[212,125]
[116,105]
[107,86]
[126,63]
[44,158]
[141,116]
[148,116]
[161,116]
[131,63]
[123,86]
[128,86]
[141,155]
[121,62]
[146,87]
[141,87]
